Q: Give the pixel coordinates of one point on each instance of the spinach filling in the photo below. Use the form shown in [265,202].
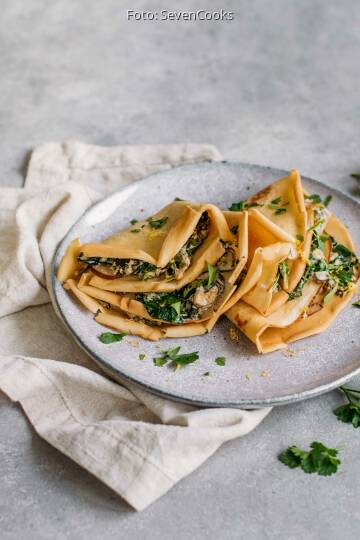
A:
[336,275]
[188,303]
[144,270]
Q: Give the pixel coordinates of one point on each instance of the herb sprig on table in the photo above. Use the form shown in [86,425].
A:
[350,412]
[320,459]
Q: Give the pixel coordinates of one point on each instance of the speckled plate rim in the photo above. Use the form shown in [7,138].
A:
[121,377]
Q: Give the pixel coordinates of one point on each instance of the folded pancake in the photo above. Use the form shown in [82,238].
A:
[283,204]
[326,287]
[277,259]
[177,308]
[162,247]
[192,309]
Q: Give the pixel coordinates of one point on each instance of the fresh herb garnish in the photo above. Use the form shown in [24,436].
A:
[135,231]
[355,175]
[178,199]
[340,270]
[142,356]
[133,221]
[157,223]
[320,459]
[357,304]
[299,237]
[277,206]
[284,270]
[109,337]
[206,374]
[160,361]
[350,412]
[220,360]
[212,272]
[242,205]
[316,199]
[176,359]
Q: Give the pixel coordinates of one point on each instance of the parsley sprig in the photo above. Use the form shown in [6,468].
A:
[350,412]
[173,357]
[109,337]
[320,459]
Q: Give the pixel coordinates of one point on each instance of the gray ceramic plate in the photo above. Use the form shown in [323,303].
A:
[248,379]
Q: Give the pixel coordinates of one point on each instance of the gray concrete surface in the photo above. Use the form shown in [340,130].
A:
[279,86]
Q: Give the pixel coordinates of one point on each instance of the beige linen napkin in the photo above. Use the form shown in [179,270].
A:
[138,444]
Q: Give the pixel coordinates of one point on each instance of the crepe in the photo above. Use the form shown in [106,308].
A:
[217,266]
[313,310]
[277,259]
[160,248]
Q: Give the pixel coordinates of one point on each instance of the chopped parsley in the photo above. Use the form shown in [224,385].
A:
[212,272]
[135,231]
[173,357]
[157,223]
[299,237]
[142,356]
[109,337]
[336,275]
[206,374]
[355,175]
[350,412]
[357,304]
[277,206]
[320,459]
[220,360]
[316,199]
[187,303]
[243,205]
[133,221]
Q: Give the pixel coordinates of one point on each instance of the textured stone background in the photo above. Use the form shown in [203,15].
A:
[278,86]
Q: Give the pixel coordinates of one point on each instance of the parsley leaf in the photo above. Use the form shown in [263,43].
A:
[133,221]
[355,175]
[157,223]
[242,205]
[212,271]
[109,337]
[177,360]
[290,458]
[159,362]
[142,356]
[280,211]
[220,360]
[350,412]
[316,199]
[319,459]
[357,304]
[135,231]
[237,207]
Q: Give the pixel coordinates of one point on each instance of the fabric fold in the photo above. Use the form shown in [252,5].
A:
[138,444]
